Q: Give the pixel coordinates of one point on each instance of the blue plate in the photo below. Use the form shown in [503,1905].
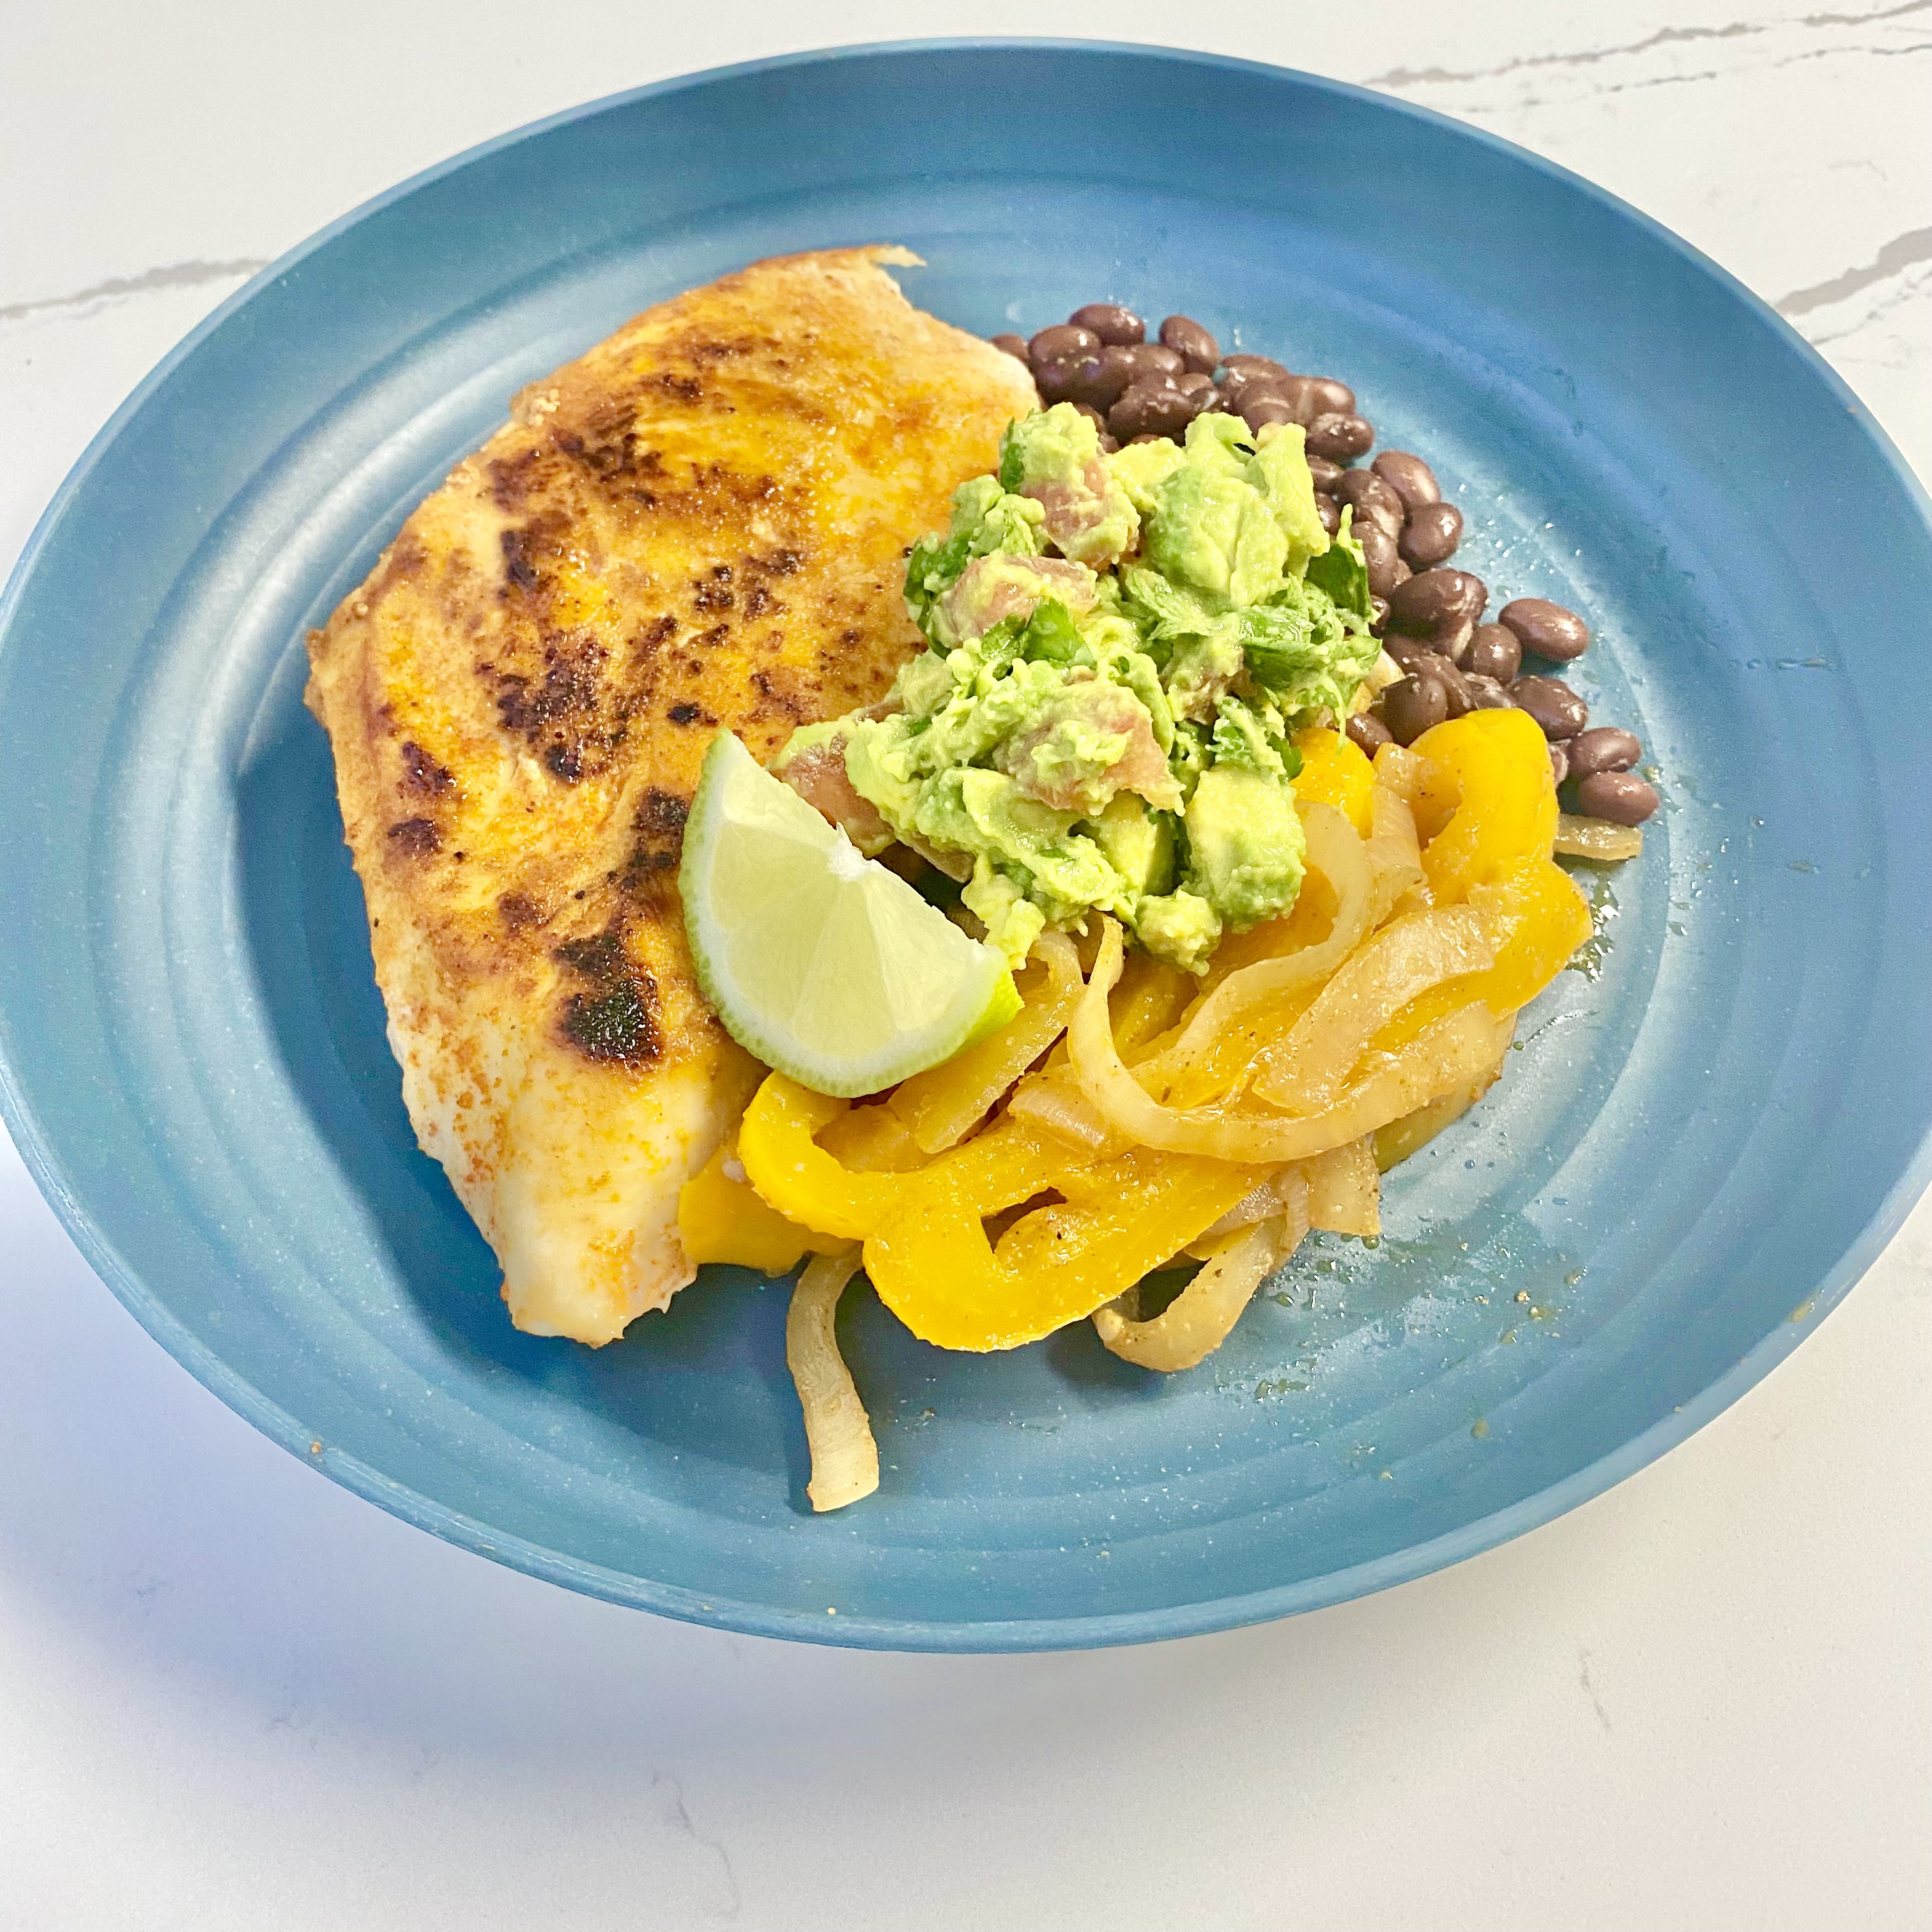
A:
[1710,1130]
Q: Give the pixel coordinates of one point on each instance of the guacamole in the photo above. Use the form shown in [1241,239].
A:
[1120,648]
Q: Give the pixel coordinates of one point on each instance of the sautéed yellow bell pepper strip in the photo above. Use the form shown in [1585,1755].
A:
[1488,782]
[1336,771]
[926,1248]
[806,1183]
[720,1218]
[934,1268]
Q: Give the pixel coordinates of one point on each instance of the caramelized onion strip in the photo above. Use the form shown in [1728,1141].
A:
[1203,1315]
[1345,1189]
[943,1106]
[1448,1053]
[1305,1073]
[1598,838]
[844,1457]
[1259,992]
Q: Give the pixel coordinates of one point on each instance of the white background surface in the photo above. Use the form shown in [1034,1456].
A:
[232,1695]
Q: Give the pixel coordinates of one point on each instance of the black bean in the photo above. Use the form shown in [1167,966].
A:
[1300,392]
[1191,343]
[1243,364]
[1373,500]
[1327,476]
[1386,569]
[1258,412]
[1062,339]
[1341,439]
[1329,511]
[1433,598]
[1328,396]
[1621,797]
[1486,694]
[1369,733]
[1114,370]
[1604,748]
[1546,629]
[1551,702]
[1431,535]
[1014,345]
[1409,477]
[1559,761]
[1242,386]
[1196,401]
[1378,615]
[1152,358]
[1114,325]
[1452,639]
[1065,379]
[1413,654]
[1432,663]
[1494,652]
[1411,706]
[1153,407]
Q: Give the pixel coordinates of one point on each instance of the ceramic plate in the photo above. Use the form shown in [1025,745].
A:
[1710,1127]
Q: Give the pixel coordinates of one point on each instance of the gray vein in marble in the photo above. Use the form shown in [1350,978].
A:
[678,1817]
[1588,1683]
[1879,52]
[1902,252]
[1423,76]
[1843,51]
[1402,76]
[1904,355]
[170,275]
[1864,19]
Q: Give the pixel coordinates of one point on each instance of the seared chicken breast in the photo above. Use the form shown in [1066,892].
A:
[700,526]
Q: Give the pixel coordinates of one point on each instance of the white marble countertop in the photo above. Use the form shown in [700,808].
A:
[233,1695]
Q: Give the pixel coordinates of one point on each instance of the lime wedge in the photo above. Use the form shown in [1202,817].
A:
[821,962]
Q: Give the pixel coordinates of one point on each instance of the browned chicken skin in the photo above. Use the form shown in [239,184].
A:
[700,524]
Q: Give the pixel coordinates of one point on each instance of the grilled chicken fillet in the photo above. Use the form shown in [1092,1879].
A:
[699,526]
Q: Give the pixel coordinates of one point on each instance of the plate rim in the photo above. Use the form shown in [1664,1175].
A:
[932,1634]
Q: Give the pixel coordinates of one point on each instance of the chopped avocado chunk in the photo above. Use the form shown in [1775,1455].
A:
[1055,458]
[924,683]
[1138,842]
[1279,469]
[1200,669]
[986,814]
[1179,927]
[1139,468]
[1212,532]
[1245,844]
[1012,920]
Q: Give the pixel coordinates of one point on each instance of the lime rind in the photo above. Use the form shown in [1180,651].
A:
[819,961]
